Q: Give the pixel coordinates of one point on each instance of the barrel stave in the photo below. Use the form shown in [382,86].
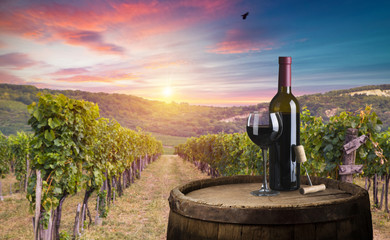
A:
[344,215]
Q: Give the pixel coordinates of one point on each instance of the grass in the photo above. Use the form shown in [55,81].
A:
[169,142]
[16,111]
[142,213]
[14,212]
[380,219]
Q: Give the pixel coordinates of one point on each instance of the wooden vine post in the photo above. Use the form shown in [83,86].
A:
[1,193]
[76,228]
[83,217]
[352,143]
[38,194]
[27,169]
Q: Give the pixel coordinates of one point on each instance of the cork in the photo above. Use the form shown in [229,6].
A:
[300,154]
[312,189]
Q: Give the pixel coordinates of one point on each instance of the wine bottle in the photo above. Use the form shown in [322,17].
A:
[284,169]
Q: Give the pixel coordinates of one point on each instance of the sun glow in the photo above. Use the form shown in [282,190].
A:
[167,92]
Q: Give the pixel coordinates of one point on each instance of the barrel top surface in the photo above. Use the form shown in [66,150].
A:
[238,195]
[228,199]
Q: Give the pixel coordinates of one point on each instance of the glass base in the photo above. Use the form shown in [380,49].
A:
[265,192]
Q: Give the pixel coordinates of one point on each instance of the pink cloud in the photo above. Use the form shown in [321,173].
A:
[92,40]
[232,47]
[74,25]
[105,78]
[2,44]
[84,78]
[46,18]
[16,61]
[242,41]
[70,71]
[164,64]
[9,78]
[220,7]
[85,24]
[178,15]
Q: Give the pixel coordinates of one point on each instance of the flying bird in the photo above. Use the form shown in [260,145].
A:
[245,15]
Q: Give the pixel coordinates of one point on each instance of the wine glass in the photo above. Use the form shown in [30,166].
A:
[263,128]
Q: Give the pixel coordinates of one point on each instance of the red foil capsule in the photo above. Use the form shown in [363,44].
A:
[285,71]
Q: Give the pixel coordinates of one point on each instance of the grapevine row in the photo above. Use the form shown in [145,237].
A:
[222,154]
[231,154]
[72,149]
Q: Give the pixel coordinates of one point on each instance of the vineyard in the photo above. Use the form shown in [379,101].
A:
[73,150]
[232,154]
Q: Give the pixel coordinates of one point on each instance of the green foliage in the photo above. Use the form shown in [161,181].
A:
[103,208]
[4,156]
[233,154]
[170,119]
[20,150]
[15,111]
[169,142]
[335,102]
[383,150]
[324,141]
[129,111]
[74,150]
[65,235]
[230,154]
[64,131]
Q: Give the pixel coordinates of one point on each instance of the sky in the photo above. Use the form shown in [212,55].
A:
[194,51]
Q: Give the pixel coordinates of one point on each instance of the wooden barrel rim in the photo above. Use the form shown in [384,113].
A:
[304,213]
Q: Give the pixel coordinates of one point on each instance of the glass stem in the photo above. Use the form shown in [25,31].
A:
[264,150]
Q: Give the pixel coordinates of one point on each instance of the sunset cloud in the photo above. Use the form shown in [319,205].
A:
[232,47]
[104,78]
[84,78]
[81,25]
[92,40]
[70,71]
[202,49]
[11,79]
[49,15]
[16,61]
[164,64]
[86,24]
[2,44]
[240,41]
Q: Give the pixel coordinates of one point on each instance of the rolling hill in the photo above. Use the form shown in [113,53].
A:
[182,119]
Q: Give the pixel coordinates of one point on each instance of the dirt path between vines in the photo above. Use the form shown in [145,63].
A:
[142,213]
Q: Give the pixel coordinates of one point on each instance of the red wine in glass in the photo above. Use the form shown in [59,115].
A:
[263,129]
[264,137]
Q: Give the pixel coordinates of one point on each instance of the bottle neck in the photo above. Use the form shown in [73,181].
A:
[285,77]
[283,89]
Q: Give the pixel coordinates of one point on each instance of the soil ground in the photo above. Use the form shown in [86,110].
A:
[141,213]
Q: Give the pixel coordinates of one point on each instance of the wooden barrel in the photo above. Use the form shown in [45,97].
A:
[223,208]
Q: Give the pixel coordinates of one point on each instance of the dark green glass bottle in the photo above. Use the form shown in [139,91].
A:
[283,167]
